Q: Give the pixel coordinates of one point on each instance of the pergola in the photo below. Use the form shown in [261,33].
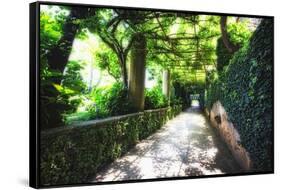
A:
[182,43]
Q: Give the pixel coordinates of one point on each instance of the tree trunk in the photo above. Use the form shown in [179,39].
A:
[124,72]
[58,56]
[57,61]
[225,37]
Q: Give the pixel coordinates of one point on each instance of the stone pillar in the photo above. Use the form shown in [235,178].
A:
[166,83]
[137,72]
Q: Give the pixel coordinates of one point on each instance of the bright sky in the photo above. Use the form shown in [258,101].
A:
[84,50]
[149,83]
[53,9]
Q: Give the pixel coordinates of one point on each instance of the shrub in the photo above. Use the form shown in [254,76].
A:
[154,98]
[110,102]
[58,99]
[176,101]
[118,101]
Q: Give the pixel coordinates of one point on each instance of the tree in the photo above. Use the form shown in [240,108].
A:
[233,36]
[107,60]
[225,36]
[116,34]
[59,54]
[55,92]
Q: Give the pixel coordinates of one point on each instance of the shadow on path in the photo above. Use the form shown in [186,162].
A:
[184,146]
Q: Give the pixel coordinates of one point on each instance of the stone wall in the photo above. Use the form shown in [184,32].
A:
[219,120]
[73,154]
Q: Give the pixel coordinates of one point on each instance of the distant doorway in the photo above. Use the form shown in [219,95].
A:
[195,103]
[195,100]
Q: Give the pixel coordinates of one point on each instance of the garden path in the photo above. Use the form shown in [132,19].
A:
[184,146]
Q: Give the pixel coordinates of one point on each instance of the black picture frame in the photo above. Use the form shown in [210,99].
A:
[34,94]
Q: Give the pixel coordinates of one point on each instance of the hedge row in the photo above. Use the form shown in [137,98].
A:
[74,154]
[245,89]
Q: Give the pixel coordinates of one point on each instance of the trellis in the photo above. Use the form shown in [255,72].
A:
[189,64]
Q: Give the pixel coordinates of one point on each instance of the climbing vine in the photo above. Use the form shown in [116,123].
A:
[245,90]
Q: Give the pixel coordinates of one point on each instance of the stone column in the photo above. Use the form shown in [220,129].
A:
[166,83]
[137,72]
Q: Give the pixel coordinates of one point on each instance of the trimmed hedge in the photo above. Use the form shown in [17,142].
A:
[73,154]
[245,89]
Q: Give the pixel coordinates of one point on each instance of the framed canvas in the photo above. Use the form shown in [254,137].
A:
[122,94]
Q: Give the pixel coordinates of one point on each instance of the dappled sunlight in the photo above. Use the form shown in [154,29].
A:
[110,85]
[185,146]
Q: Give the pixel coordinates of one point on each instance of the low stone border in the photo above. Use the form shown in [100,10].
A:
[73,154]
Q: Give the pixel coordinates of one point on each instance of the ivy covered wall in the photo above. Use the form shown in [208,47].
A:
[245,89]
[223,56]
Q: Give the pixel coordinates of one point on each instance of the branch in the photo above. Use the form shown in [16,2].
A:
[108,42]
[225,37]
[127,49]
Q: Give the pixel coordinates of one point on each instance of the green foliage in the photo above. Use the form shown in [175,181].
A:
[118,102]
[183,92]
[239,34]
[202,100]
[107,60]
[213,93]
[74,155]
[245,90]
[60,99]
[98,108]
[50,30]
[56,99]
[176,101]
[110,102]
[72,77]
[223,55]
[154,98]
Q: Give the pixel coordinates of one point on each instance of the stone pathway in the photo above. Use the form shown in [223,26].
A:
[185,146]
